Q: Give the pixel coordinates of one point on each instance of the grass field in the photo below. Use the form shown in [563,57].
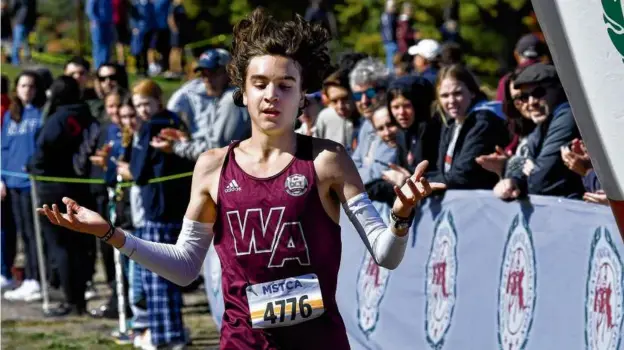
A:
[169,87]
[23,326]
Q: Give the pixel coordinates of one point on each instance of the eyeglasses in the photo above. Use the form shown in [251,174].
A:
[538,92]
[370,93]
[129,116]
[102,78]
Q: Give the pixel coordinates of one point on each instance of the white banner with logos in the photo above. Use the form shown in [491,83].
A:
[479,273]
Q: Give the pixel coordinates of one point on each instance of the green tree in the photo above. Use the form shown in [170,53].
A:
[488,28]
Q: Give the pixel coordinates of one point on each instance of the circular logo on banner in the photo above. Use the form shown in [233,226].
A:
[516,289]
[215,271]
[372,282]
[440,284]
[296,185]
[603,305]
[614,19]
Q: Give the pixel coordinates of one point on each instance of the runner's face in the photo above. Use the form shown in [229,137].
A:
[273,93]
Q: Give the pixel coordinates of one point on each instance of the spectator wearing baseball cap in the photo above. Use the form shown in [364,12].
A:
[207,105]
[529,50]
[544,172]
[426,54]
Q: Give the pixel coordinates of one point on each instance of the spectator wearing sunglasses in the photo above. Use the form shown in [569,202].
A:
[504,162]
[544,172]
[368,80]
[110,85]
[109,77]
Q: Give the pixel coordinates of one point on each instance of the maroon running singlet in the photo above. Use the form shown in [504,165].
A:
[280,255]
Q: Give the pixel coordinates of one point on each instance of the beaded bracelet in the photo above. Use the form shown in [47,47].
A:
[109,234]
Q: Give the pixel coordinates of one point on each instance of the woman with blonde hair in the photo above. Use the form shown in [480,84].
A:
[475,127]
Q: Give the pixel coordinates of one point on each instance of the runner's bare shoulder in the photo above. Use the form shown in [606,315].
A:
[330,158]
[208,167]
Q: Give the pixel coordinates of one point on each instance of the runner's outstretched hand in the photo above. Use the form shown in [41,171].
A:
[76,218]
[416,188]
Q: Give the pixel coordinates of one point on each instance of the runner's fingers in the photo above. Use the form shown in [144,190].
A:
[49,214]
[57,214]
[401,196]
[70,214]
[71,204]
[426,187]
[415,191]
[420,169]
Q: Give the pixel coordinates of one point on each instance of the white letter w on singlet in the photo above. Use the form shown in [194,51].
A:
[246,235]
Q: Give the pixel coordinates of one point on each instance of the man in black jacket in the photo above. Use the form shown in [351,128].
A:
[544,172]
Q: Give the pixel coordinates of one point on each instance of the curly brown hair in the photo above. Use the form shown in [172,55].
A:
[260,34]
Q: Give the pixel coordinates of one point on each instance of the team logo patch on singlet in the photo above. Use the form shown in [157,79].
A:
[516,290]
[603,301]
[285,302]
[440,283]
[296,185]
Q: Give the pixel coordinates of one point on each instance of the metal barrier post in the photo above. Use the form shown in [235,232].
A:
[39,241]
[119,282]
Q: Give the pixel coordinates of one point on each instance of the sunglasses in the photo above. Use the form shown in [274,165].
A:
[538,92]
[107,77]
[370,93]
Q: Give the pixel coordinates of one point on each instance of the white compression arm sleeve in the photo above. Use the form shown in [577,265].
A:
[180,263]
[386,248]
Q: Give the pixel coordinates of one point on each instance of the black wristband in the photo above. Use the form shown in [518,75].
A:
[399,218]
[399,222]
[109,233]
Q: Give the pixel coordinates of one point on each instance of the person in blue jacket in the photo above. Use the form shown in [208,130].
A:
[19,128]
[100,13]
[163,214]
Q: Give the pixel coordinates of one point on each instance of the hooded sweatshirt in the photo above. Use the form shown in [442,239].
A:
[65,142]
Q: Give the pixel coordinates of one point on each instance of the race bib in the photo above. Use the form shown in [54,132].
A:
[285,302]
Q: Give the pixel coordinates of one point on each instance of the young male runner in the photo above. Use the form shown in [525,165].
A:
[271,203]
